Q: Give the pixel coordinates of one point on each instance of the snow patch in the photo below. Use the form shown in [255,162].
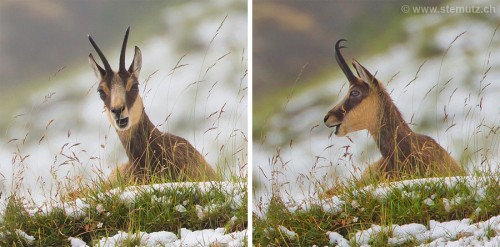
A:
[337,239]
[289,233]
[450,233]
[25,236]
[206,237]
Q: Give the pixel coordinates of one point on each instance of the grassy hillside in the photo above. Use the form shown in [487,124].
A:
[128,216]
[407,213]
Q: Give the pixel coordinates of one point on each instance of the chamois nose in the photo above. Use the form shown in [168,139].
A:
[118,111]
[326,118]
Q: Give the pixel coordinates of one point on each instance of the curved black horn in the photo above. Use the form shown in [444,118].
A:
[122,54]
[343,65]
[107,68]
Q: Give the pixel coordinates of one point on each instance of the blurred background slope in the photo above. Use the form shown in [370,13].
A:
[193,82]
[40,37]
[292,34]
[446,92]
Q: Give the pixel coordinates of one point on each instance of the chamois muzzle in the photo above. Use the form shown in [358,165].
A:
[120,120]
[331,120]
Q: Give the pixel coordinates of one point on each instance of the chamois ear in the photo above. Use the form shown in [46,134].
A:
[364,74]
[135,67]
[98,70]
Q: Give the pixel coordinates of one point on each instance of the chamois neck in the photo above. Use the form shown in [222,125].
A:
[136,139]
[143,126]
[393,131]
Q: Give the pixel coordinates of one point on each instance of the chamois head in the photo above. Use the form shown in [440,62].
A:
[361,106]
[119,90]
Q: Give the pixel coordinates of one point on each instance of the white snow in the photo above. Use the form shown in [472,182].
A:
[402,234]
[179,208]
[451,233]
[76,242]
[187,238]
[158,238]
[337,239]
[363,237]
[428,201]
[25,236]
[74,209]
[145,239]
[332,205]
[291,234]
[448,230]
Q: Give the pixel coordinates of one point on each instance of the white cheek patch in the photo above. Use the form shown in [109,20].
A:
[353,120]
[111,118]
[342,130]
[363,116]
[136,111]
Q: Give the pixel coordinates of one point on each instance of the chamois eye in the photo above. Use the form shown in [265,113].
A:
[101,92]
[355,93]
[135,87]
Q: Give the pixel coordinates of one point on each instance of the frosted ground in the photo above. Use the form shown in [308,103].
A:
[77,209]
[451,233]
[61,134]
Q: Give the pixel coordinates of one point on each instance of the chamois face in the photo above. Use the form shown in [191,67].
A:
[360,107]
[122,103]
[119,90]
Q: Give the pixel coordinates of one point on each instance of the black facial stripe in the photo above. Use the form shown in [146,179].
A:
[339,114]
[130,98]
[351,102]
[107,101]
[107,84]
[105,97]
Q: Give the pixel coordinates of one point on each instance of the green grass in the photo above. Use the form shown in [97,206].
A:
[152,210]
[400,205]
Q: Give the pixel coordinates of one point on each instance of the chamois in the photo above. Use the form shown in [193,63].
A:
[405,154]
[150,152]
